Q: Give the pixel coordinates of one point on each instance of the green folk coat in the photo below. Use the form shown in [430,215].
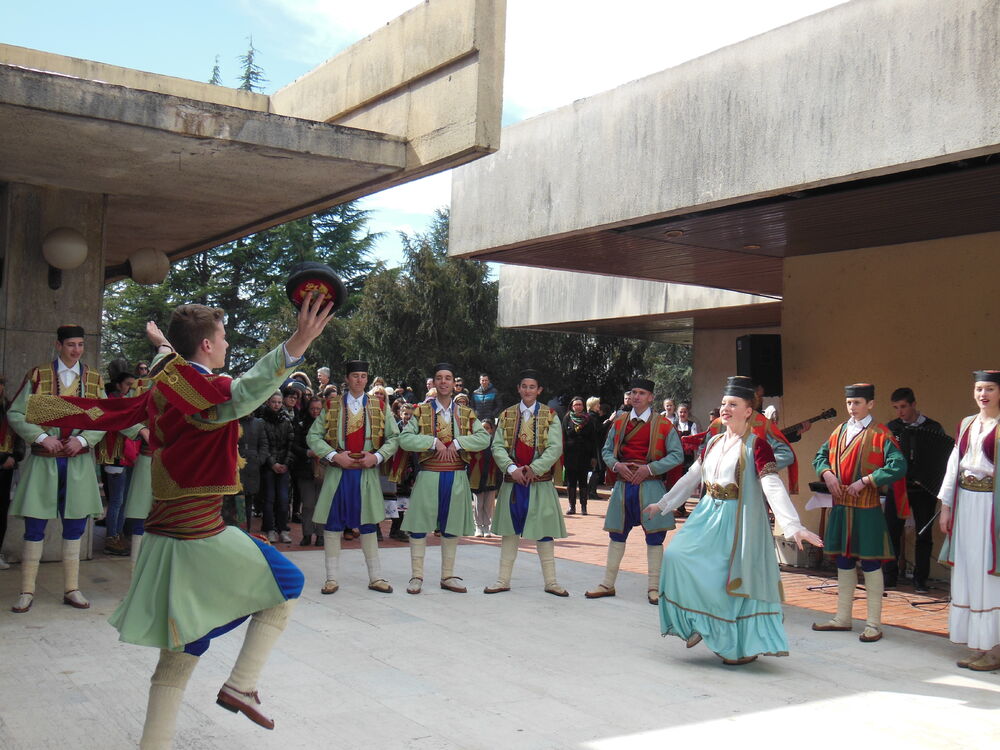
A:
[372,506]
[36,495]
[545,516]
[421,515]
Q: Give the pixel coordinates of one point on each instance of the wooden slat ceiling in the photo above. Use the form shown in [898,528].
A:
[741,247]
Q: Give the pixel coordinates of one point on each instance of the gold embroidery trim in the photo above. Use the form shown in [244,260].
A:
[42,409]
[722,491]
[971,483]
[769,468]
[179,383]
[165,488]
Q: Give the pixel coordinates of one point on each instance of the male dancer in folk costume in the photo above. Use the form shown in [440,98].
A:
[642,446]
[353,435]
[444,435]
[197,578]
[860,456]
[58,479]
[765,429]
[526,448]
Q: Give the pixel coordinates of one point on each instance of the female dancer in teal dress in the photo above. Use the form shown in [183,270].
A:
[720,580]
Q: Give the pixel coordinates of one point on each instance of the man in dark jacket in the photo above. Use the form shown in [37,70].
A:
[253,450]
[486,401]
[275,472]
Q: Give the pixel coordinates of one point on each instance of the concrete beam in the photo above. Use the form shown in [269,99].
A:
[134,79]
[863,89]
[433,77]
[545,299]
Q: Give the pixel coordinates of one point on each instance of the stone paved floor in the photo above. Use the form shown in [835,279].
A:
[517,670]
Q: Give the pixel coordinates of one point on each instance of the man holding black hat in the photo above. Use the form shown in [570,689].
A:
[443,434]
[642,446]
[58,479]
[354,434]
[860,456]
[526,448]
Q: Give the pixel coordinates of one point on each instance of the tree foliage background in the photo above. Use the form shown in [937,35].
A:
[403,320]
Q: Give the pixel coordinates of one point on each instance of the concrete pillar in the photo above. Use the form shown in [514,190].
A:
[30,311]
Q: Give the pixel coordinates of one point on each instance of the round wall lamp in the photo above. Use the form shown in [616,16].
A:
[147,265]
[63,249]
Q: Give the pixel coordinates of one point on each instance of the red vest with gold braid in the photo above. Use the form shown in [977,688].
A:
[864,454]
[643,443]
[194,462]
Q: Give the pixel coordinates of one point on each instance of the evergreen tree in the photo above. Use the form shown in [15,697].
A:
[216,78]
[251,74]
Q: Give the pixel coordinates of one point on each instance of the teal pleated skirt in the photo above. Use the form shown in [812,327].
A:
[693,596]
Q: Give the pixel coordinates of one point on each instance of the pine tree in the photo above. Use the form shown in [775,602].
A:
[252,75]
[216,78]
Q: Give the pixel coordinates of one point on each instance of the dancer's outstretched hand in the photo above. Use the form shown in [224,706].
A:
[313,317]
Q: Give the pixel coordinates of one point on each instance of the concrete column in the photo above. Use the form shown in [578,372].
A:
[30,311]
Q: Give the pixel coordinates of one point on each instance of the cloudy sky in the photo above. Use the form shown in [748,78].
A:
[557,50]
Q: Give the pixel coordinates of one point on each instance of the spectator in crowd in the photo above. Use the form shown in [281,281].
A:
[669,410]
[141,369]
[409,396]
[484,480]
[115,454]
[307,473]
[254,450]
[276,479]
[459,386]
[579,452]
[322,378]
[403,412]
[486,400]
[713,415]
[594,409]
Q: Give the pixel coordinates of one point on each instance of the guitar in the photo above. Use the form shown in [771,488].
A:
[794,430]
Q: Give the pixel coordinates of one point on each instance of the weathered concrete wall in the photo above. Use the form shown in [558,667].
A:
[30,312]
[531,297]
[862,89]
[433,76]
[133,79]
[924,316]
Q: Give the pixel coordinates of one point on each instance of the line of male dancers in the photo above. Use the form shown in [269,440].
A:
[196,579]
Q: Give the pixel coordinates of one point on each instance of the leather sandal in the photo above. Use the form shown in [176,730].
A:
[739,662]
[245,703]
[556,590]
[693,640]
[974,656]
[870,635]
[330,587]
[23,605]
[457,588]
[653,597]
[415,584]
[496,588]
[829,627]
[75,601]
[985,663]
[600,592]
[381,585]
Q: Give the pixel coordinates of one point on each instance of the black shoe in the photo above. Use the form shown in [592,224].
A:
[571,511]
[583,509]
[921,587]
[296,518]
[319,541]
[306,540]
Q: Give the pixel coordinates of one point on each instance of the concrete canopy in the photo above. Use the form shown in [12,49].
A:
[185,166]
[870,124]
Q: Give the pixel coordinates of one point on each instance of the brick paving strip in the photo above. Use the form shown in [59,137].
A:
[807,588]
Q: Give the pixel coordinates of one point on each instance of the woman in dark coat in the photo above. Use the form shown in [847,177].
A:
[579,452]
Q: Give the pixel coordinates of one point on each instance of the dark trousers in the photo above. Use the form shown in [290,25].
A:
[576,477]
[275,501]
[6,477]
[922,505]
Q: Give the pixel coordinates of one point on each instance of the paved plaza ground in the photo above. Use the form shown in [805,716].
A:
[522,669]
